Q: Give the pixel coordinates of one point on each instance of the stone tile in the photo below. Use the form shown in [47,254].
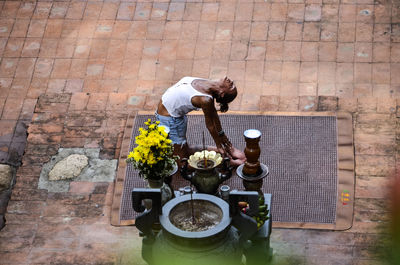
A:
[269,103]
[56,86]
[382,32]
[58,10]
[61,68]
[273,71]
[126,11]
[185,49]
[42,10]
[172,30]
[382,91]
[53,28]
[274,51]
[363,52]
[344,73]
[130,69]
[344,90]
[309,51]
[48,48]
[7,130]
[296,13]
[25,10]
[92,10]
[313,12]
[330,12]
[239,50]
[347,13]
[20,28]
[311,31]
[290,72]
[65,48]
[287,103]
[221,50]
[326,72]
[256,51]
[309,72]
[259,31]
[381,73]
[345,52]
[329,31]
[327,51]
[75,10]
[190,30]
[176,11]
[244,11]
[308,89]
[25,68]
[97,101]
[109,10]
[394,53]
[193,11]
[395,78]
[210,12]
[276,31]
[362,72]
[364,32]
[279,11]
[291,51]
[95,68]
[347,32]
[3,42]
[261,11]
[78,68]
[10,9]
[14,47]
[6,26]
[362,90]
[293,31]
[36,28]
[250,102]
[382,13]
[241,30]
[254,71]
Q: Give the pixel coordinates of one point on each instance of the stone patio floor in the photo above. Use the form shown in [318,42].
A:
[72,71]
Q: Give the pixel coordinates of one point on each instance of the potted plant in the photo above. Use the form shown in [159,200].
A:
[153,156]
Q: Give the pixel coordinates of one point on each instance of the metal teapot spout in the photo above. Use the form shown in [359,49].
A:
[226,172]
[184,170]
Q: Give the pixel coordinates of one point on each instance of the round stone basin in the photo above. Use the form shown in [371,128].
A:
[206,215]
[212,220]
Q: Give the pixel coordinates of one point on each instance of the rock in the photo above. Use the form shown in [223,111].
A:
[6,176]
[69,167]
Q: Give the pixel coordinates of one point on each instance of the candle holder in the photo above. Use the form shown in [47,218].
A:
[252,152]
[252,171]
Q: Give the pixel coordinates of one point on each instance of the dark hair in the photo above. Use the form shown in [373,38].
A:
[223,107]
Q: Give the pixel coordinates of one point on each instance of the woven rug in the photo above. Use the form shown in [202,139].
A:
[309,156]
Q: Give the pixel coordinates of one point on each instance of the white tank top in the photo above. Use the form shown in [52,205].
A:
[178,98]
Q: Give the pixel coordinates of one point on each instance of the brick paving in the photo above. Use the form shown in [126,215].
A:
[72,71]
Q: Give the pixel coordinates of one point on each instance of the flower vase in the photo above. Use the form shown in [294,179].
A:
[166,192]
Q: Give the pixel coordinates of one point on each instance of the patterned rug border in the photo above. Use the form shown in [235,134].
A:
[345,196]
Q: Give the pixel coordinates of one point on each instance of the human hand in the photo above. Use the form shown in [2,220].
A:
[221,150]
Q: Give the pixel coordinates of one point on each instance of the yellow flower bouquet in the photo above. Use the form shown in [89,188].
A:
[153,155]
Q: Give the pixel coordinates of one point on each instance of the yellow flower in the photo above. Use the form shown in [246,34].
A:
[153,155]
[131,155]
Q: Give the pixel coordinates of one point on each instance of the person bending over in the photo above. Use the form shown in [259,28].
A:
[192,93]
